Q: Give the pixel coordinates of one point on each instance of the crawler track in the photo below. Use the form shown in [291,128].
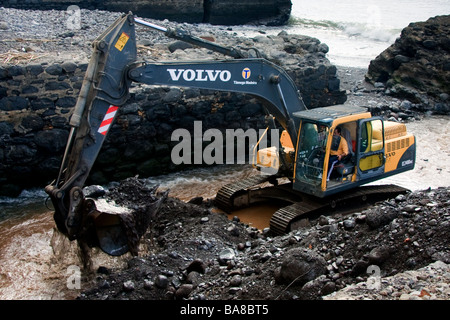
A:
[226,195]
[361,197]
[247,191]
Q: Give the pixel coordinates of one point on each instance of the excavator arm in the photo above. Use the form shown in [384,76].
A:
[257,77]
[111,70]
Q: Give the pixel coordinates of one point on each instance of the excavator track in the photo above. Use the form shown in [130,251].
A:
[226,195]
[282,218]
[240,194]
[363,196]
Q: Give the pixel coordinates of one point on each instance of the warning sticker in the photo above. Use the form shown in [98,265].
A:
[123,39]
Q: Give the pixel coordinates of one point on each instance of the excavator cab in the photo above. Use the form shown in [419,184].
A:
[366,160]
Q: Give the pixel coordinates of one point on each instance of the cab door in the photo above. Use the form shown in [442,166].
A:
[370,148]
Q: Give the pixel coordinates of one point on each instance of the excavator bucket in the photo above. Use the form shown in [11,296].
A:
[114,229]
[111,234]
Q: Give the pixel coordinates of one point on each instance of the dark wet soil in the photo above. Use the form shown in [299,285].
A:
[194,253]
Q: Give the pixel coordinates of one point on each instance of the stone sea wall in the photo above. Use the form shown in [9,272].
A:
[36,101]
[226,12]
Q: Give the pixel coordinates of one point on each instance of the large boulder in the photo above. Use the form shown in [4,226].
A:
[417,66]
[300,266]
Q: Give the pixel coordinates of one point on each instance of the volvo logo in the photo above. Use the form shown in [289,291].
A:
[199,75]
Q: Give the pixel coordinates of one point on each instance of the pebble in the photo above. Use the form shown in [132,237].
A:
[161,281]
[236,281]
[128,286]
[349,224]
[184,291]
[226,255]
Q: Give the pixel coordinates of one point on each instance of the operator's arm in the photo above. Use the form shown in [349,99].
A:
[342,150]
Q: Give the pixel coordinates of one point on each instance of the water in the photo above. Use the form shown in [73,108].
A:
[356,31]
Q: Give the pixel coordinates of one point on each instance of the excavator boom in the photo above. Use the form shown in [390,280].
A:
[112,68]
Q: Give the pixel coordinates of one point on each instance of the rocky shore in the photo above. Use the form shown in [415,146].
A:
[395,250]
[416,67]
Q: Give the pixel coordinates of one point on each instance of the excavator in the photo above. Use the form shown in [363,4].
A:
[302,175]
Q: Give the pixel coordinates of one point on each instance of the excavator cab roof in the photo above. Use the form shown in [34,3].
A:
[329,114]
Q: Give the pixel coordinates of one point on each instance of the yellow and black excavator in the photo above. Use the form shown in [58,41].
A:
[302,173]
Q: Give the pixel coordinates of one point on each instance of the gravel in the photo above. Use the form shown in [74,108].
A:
[191,258]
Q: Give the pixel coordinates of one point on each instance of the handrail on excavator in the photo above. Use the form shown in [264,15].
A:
[179,34]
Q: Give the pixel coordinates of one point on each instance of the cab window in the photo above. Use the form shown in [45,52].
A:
[371,141]
[311,148]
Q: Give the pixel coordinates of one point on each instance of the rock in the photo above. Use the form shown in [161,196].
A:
[323,221]
[13,103]
[54,69]
[184,291]
[204,220]
[4,25]
[378,218]
[420,54]
[52,140]
[349,224]
[148,285]
[233,230]
[313,289]
[411,208]
[236,281]
[69,66]
[328,288]
[197,265]
[161,281]
[94,191]
[300,266]
[359,267]
[378,255]
[128,286]
[193,278]
[226,255]
[33,123]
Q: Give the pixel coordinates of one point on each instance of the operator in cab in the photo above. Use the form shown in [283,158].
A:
[338,151]
[339,146]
